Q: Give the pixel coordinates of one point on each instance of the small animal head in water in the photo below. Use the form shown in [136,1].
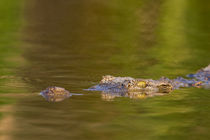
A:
[55,94]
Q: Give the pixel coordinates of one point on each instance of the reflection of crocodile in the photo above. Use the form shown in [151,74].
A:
[137,88]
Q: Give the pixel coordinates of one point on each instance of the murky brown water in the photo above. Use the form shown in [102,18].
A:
[73,43]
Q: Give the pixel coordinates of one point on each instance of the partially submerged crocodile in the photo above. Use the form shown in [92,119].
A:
[112,87]
[137,88]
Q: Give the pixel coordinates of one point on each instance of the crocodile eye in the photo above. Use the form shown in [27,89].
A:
[142,84]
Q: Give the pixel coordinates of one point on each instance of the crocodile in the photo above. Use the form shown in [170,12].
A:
[112,87]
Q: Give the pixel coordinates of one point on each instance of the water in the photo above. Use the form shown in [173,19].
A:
[72,44]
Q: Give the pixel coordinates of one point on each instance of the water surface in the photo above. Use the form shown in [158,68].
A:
[72,44]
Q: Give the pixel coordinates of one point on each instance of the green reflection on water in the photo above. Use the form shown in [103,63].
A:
[9,53]
[180,35]
[9,61]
